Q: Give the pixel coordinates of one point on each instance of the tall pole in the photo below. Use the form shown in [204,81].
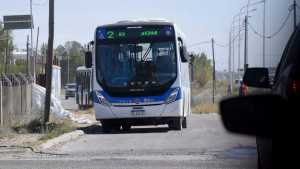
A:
[233,54]
[49,63]
[229,65]
[68,75]
[36,48]
[295,14]
[239,45]
[6,53]
[246,44]
[27,56]
[264,35]
[31,43]
[214,69]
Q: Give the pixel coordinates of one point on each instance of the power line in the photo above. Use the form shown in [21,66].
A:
[221,45]
[44,3]
[275,33]
[227,44]
[199,43]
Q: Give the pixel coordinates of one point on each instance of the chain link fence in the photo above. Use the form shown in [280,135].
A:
[15,99]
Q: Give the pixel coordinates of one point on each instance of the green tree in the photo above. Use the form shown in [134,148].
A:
[202,68]
[73,52]
[3,46]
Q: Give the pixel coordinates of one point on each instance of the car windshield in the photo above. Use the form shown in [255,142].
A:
[136,64]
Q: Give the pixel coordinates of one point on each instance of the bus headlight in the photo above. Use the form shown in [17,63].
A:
[102,100]
[172,97]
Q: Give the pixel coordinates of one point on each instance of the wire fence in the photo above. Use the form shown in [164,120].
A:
[15,100]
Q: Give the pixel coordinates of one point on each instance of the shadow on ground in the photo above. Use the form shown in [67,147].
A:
[97,129]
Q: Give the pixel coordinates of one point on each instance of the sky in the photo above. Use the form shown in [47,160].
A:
[200,20]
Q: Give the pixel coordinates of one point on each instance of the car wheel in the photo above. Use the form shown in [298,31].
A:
[66,97]
[176,124]
[184,123]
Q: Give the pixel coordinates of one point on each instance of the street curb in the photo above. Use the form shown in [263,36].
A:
[61,139]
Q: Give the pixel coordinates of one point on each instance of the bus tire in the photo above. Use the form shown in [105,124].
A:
[106,126]
[126,127]
[116,127]
[176,124]
[184,123]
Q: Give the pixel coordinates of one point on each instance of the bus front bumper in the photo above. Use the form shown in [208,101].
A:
[173,109]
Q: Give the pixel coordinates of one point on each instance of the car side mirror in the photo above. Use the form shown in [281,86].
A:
[184,54]
[257,77]
[251,115]
[88,59]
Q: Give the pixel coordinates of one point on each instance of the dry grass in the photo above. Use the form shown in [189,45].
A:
[57,128]
[205,108]
[6,132]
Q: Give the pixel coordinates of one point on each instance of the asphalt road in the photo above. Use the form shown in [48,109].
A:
[205,144]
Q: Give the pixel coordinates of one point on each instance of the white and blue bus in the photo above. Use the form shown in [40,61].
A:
[141,75]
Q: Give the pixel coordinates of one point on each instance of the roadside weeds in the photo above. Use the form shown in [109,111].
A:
[205,108]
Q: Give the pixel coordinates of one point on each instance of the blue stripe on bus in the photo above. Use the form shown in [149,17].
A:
[144,99]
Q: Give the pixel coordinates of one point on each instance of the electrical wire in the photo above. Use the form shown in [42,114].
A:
[221,45]
[199,43]
[275,33]
[40,3]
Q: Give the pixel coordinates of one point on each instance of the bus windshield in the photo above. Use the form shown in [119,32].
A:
[136,66]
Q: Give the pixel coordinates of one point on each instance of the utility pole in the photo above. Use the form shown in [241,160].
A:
[27,56]
[239,46]
[295,14]
[214,69]
[68,76]
[31,45]
[264,35]
[229,66]
[6,53]
[233,55]
[36,48]
[49,63]
[246,45]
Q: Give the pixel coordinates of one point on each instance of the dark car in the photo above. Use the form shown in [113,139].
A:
[70,90]
[253,114]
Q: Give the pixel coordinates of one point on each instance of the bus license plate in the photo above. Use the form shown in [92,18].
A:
[138,112]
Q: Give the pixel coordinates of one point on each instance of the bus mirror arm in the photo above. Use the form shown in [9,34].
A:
[183,54]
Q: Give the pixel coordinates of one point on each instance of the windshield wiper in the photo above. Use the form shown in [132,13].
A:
[147,53]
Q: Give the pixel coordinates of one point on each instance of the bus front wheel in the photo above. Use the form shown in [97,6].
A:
[126,127]
[184,123]
[176,123]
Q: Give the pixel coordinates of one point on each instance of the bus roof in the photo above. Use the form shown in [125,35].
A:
[140,23]
[146,22]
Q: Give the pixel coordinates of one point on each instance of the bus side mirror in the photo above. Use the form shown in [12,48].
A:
[88,59]
[183,54]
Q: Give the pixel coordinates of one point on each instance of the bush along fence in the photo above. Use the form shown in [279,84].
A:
[15,99]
